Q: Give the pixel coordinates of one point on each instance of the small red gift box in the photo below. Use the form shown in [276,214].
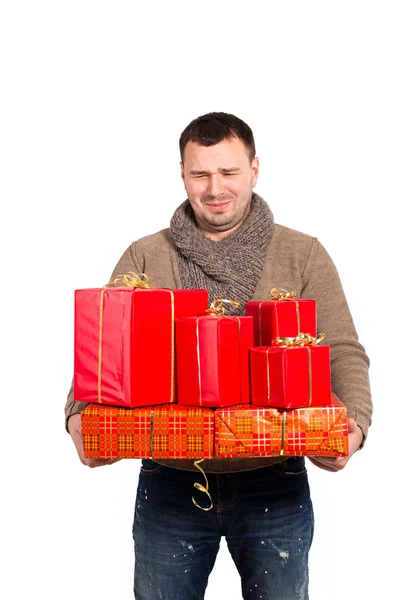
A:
[282,318]
[213,360]
[244,431]
[124,343]
[290,377]
[168,431]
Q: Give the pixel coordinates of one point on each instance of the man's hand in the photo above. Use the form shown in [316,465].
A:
[74,427]
[337,463]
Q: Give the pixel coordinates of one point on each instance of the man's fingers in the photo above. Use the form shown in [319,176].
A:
[320,465]
[329,463]
[351,425]
[99,462]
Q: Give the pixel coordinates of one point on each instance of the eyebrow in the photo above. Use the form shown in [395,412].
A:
[222,170]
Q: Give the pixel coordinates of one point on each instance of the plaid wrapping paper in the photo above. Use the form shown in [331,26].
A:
[245,431]
[167,431]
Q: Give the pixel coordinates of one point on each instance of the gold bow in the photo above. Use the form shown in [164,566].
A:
[303,339]
[217,310]
[130,279]
[281,294]
[201,488]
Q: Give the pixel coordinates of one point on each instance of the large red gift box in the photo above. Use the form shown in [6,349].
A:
[168,431]
[124,343]
[282,318]
[251,431]
[290,377]
[213,360]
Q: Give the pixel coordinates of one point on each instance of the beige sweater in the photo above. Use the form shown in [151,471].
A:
[295,261]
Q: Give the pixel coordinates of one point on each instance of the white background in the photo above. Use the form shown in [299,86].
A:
[94,96]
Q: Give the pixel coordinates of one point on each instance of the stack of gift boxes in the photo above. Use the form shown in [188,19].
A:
[168,378]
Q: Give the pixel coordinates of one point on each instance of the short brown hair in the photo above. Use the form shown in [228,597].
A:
[214,127]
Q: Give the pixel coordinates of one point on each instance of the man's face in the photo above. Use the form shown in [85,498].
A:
[219,181]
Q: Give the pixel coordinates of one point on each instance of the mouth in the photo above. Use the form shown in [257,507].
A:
[217,206]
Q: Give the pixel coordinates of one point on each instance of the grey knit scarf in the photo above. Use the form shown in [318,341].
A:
[230,268]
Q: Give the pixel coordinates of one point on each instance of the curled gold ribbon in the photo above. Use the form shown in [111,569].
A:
[303,339]
[130,279]
[281,294]
[218,310]
[201,488]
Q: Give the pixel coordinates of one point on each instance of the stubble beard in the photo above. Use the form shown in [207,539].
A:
[220,222]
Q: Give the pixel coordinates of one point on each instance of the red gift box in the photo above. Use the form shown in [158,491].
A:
[282,318]
[213,360]
[124,343]
[290,377]
[168,431]
[251,431]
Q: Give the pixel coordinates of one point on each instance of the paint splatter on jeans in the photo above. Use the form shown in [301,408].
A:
[266,516]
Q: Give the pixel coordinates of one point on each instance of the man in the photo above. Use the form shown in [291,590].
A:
[223,238]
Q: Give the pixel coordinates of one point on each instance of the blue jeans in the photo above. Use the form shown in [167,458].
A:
[266,516]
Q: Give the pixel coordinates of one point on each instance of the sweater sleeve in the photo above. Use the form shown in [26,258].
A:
[349,362]
[127,262]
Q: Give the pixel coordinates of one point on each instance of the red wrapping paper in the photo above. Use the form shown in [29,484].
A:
[168,432]
[282,318]
[251,431]
[124,343]
[213,360]
[290,377]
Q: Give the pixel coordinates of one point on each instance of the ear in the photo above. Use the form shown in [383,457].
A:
[255,168]
[182,172]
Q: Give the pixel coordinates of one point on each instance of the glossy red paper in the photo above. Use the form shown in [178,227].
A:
[213,360]
[290,377]
[124,343]
[282,318]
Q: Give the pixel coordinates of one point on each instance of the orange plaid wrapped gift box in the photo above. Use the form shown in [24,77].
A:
[248,430]
[163,431]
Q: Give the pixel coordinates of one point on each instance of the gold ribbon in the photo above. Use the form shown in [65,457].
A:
[303,339]
[217,310]
[283,433]
[268,377]
[201,488]
[100,352]
[281,294]
[130,279]
[151,432]
[137,280]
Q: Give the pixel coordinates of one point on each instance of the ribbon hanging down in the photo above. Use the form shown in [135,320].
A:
[201,488]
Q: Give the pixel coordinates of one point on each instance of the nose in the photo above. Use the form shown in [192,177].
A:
[214,187]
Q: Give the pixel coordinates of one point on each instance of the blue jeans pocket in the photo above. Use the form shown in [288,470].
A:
[293,466]
[150,467]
